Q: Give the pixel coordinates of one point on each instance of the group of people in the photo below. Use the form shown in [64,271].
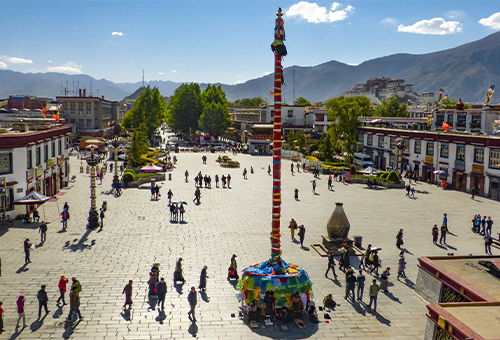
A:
[301,231]
[177,211]
[155,192]
[484,226]
[43,300]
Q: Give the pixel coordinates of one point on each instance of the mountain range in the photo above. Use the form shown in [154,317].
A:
[465,71]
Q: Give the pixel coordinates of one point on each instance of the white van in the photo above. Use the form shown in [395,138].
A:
[362,159]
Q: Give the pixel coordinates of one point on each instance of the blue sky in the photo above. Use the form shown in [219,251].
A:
[226,41]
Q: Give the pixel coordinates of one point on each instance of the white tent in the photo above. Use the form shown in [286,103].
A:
[369,170]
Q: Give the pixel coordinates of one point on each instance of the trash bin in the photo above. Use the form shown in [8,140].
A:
[358,240]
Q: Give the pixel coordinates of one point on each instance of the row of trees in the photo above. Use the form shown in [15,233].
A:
[191,109]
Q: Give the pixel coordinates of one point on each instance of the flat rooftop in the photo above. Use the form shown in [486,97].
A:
[480,318]
[473,273]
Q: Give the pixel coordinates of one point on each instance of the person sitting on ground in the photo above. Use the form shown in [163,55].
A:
[311,312]
[297,305]
[36,216]
[283,314]
[328,302]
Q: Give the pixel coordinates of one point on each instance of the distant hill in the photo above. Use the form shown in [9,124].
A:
[465,71]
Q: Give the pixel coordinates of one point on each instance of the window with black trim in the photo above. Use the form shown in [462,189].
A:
[444,150]
[460,153]
[417,148]
[5,162]
[479,155]
[495,158]
[429,151]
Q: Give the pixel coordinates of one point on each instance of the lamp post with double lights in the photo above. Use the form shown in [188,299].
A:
[93,219]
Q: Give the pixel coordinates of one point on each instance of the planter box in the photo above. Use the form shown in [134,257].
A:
[379,183]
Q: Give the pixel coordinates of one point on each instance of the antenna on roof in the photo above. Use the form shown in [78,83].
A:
[142,77]
[91,88]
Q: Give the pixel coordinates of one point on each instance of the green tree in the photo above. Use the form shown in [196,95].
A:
[302,101]
[290,140]
[343,131]
[214,118]
[139,143]
[391,108]
[325,147]
[300,141]
[248,102]
[185,108]
[149,109]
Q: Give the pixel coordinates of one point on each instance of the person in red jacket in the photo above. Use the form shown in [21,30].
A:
[62,289]
[1,318]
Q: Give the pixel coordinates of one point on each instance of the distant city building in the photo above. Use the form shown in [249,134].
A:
[27,103]
[33,157]
[90,116]
[293,117]
[379,88]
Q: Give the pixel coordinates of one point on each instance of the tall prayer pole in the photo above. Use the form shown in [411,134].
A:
[279,49]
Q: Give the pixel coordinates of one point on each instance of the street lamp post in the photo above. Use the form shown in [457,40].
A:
[115,146]
[93,219]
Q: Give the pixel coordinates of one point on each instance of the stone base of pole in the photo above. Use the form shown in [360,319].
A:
[93,219]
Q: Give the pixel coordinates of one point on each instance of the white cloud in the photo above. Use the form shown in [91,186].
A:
[455,14]
[266,73]
[174,71]
[3,65]
[117,34]
[16,60]
[49,61]
[316,14]
[435,26]
[68,67]
[389,21]
[493,21]
[161,73]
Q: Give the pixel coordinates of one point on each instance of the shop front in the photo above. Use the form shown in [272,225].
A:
[459,178]
[477,179]
[494,192]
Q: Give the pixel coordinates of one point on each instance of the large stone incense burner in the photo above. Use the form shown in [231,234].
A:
[337,230]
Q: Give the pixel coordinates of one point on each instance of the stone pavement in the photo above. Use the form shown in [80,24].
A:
[137,233]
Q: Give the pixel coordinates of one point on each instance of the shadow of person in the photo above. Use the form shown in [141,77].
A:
[38,245]
[407,251]
[409,283]
[336,281]
[305,248]
[451,247]
[178,287]
[125,314]
[381,319]
[204,296]
[441,246]
[69,328]
[16,333]
[22,269]
[57,314]
[359,308]
[193,329]
[392,297]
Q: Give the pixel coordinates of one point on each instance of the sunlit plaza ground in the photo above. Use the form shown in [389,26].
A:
[137,233]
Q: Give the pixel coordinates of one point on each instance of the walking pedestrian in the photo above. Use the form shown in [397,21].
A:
[296,194]
[488,241]
[74,304]
[223,180]
[216,181]
[445,220]
[489,225]
[186,175]
[193,300]
[182,210]
[374,289]
[302,234]
[269,170]
[384,279]
[65,218]
[127,290]
[401,265]
[62,289]
[43,232]
[101,215]
[298,167]
[330,183]
[20,311]
[43,299]
[197,196]
[178,275]
[293,226]
[1,318]
[203,279]
[399,239]
[444,231]
[228,181]
[413,192]
[435,233]
[162,292]
[350,284]
[291,168]
[360,284]
[245,173]
[331,265]
[314,186]
[170,194]
[483,226]
[27,248]
[232,271]
[76,286]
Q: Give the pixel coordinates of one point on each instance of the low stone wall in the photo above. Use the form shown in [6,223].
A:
[141,181]
[379,183]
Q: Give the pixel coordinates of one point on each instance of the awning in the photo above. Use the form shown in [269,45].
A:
[33,198]
[151,168]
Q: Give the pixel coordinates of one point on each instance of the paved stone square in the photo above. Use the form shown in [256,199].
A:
[137,233]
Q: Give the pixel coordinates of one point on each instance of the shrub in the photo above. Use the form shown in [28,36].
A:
[393,177]
[230,164]
[312,158]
